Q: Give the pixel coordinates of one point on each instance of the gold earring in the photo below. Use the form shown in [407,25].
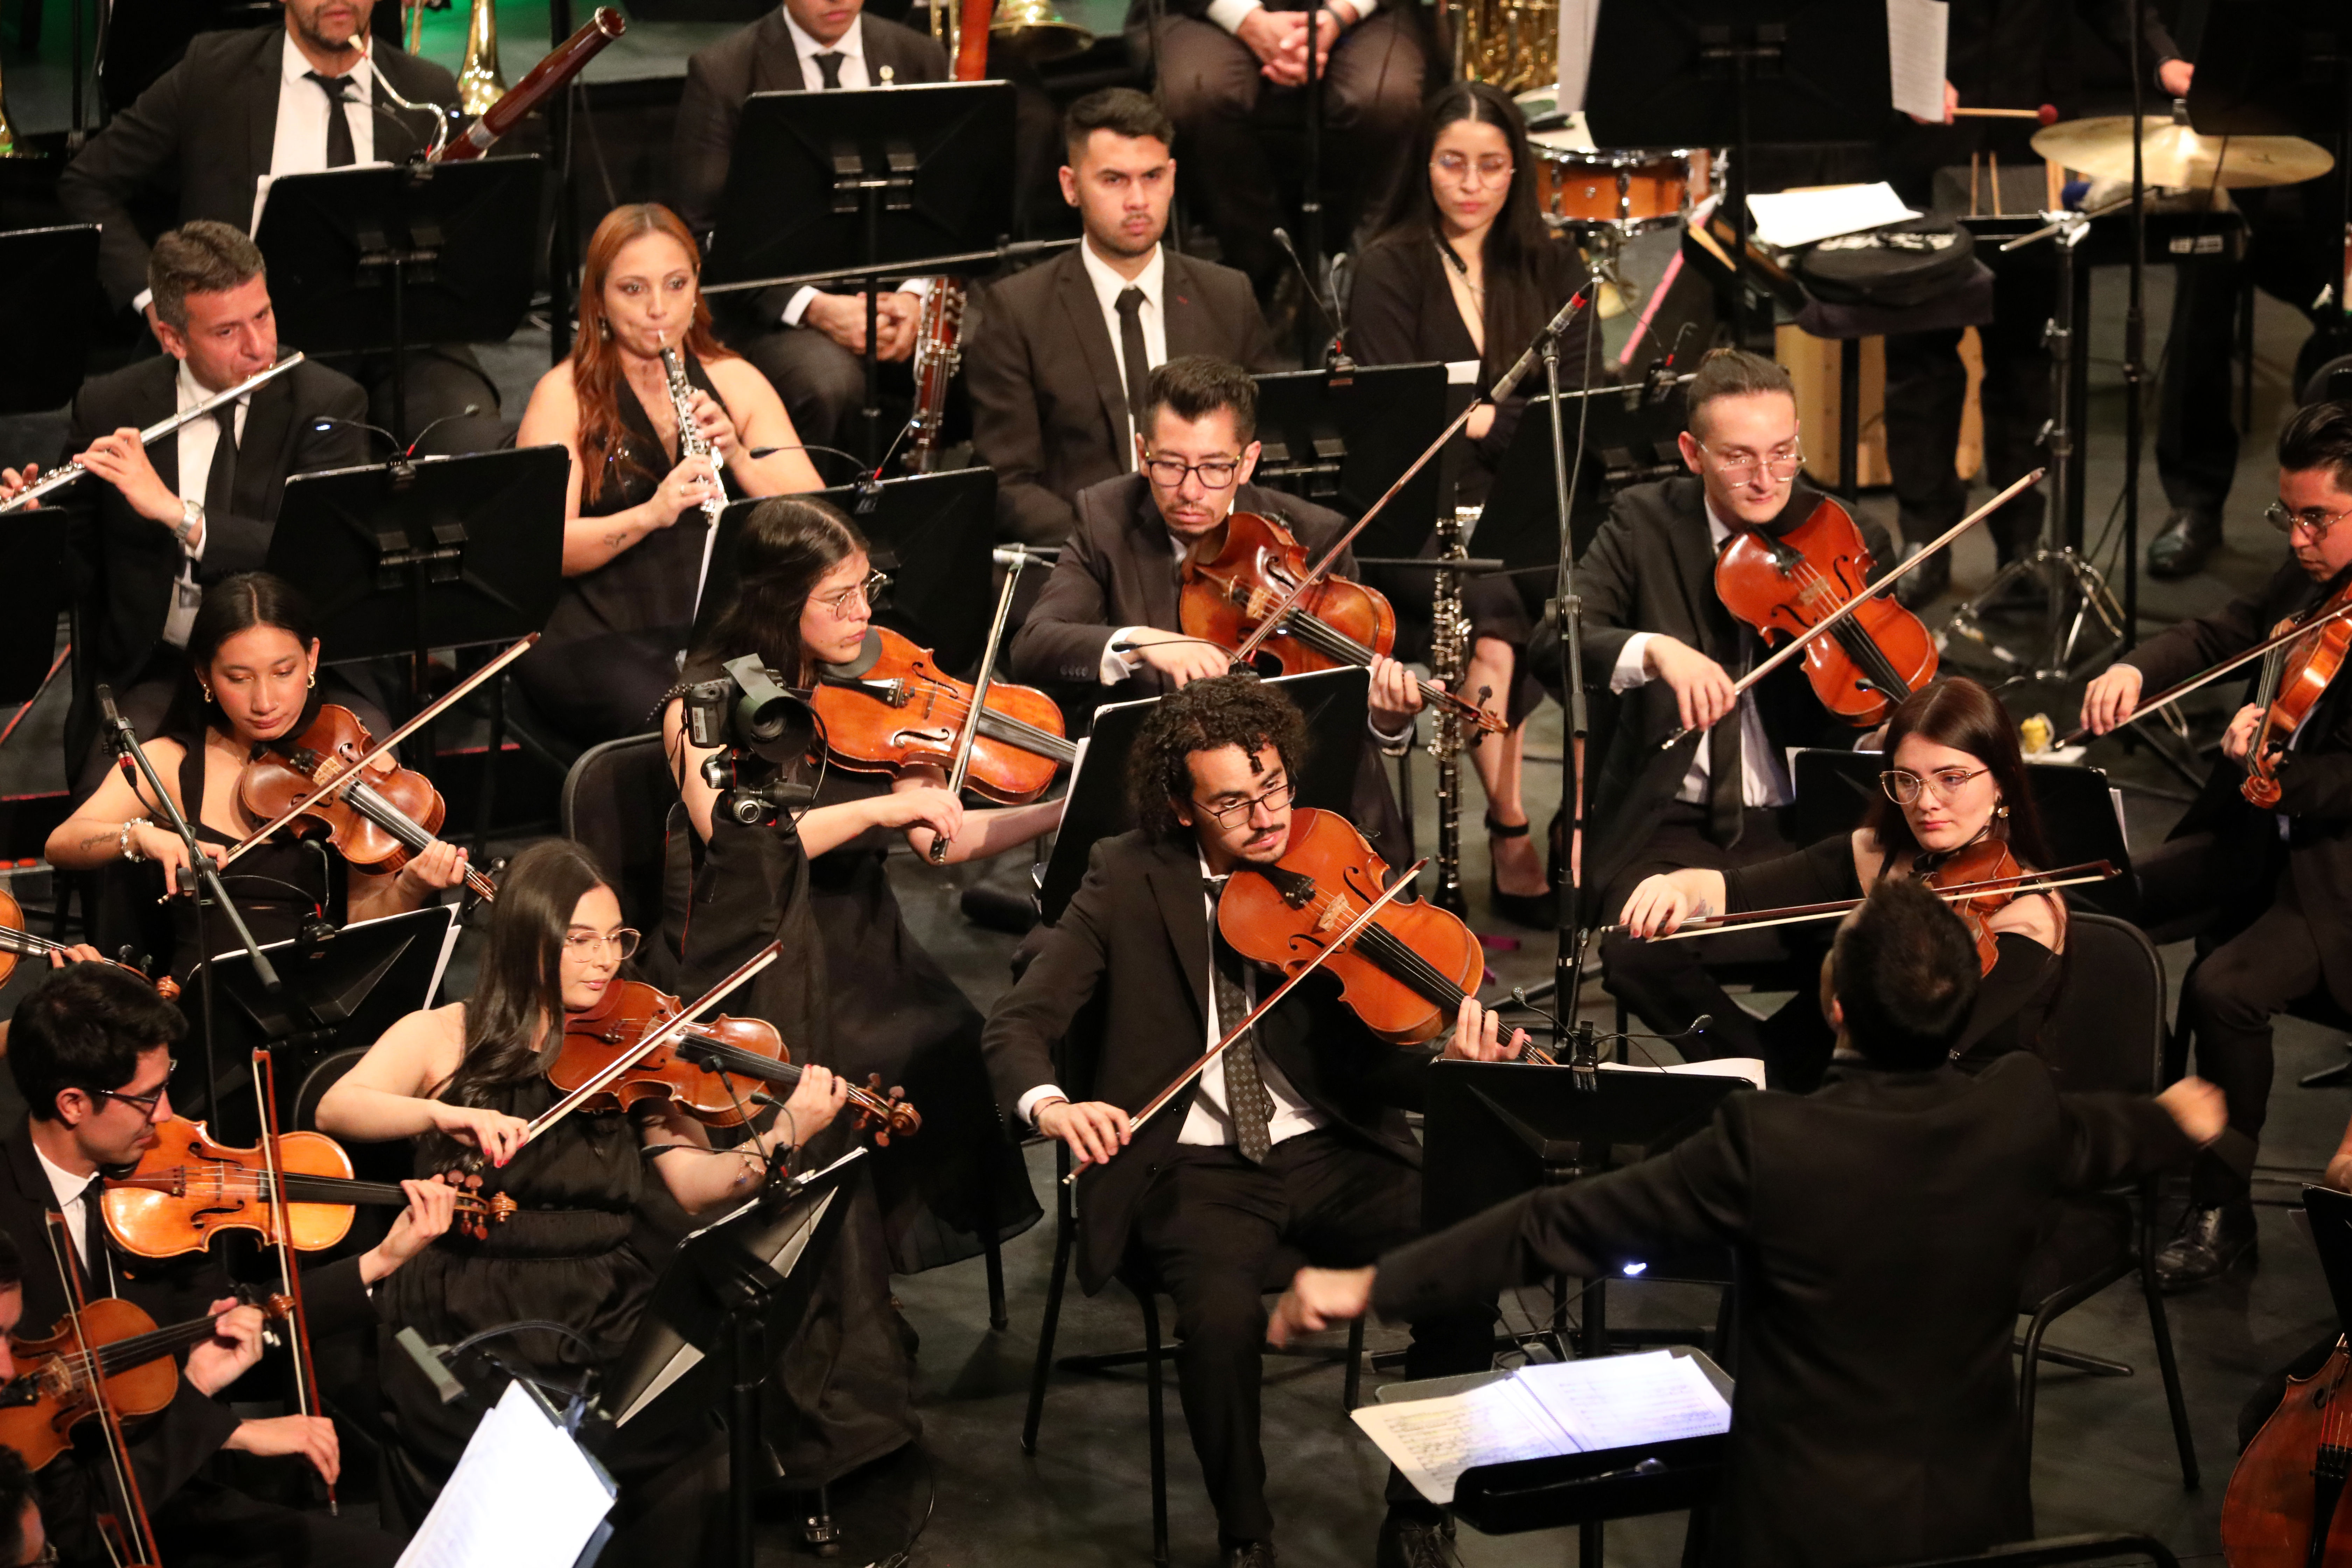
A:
[206,690]
[2001,810]
[313,682]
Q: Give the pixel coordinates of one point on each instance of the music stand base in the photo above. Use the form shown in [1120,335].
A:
[2076,591]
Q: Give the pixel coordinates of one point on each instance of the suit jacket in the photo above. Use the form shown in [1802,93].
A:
[168,1448]
[1131,953]
[203,134]
[2314,778]
[1651,568]
[137,560]
[1883,1224]
[1048,411]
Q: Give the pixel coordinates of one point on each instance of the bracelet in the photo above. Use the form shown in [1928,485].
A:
[131,851]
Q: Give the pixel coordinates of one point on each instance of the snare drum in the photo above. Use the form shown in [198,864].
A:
[1628,189]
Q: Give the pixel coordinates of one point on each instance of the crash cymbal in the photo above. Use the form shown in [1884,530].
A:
[2175,156]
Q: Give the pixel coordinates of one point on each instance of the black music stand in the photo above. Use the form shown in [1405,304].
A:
[48,299]
[863,183]
[341,991]
[734,1293]
[1340,440]
[373,259]
[33,562]
[931,533]
[1629,439]
[1097,801]
[1737,74]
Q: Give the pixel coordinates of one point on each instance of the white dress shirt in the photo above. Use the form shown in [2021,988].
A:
[1764,780]
[854,74]
[68,1189]
[1152,317]
[195,442]
[1231,14]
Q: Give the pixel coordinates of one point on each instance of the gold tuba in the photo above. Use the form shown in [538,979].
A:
[479,85]
[1514,44]
[1036,31]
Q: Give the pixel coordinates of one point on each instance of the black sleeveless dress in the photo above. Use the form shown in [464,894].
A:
[275,886]
[609,653]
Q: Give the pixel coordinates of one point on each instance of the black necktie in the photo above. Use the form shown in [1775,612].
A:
[1138,358]
[220,480]
[340,155]
[1247,1103]
[93,1238]
[1726,756]
[829,63]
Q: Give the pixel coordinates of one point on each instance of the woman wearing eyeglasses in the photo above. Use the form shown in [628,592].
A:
[463,1080]
[1954,777]
[633,526]
[1464,269]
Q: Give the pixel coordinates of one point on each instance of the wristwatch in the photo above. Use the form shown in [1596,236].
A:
[191,518]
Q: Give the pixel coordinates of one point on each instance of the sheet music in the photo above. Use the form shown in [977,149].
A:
[1792,218]
[1433,1441]
[523,1496]
[1916,31]
[1579,19]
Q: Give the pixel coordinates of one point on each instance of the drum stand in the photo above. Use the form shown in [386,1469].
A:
[2076,589]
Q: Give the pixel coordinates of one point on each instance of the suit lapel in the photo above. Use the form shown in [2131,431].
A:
[1175,879]
[1086,319]
[261,111]
[775,64]
[1190,330]
[162,397]
[1155,561]
[1692,542]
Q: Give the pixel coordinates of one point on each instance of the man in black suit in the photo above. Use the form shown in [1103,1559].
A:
[1108,615]
[1884,1222]
[1062,353]
[1655,630]
[808,343]
[90,1051]
[1294,1137]
[241,107]
[2270,886]
[189,511]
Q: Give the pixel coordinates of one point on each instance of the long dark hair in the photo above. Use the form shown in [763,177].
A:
[231,605]
[787,545]
[519,993]
[1522,260]
[1961,714]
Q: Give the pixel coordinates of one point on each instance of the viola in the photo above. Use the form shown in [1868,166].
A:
[1233,579]
[187,1189]
[893,709]
[1986,861]
[1406,974]
[380,820]
[1784,585]
[744,1048]
[2281,1509]
[16,941]
[2294,677]
[107,1348]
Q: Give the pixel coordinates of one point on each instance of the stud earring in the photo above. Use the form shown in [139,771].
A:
[2001,810]
[604,329]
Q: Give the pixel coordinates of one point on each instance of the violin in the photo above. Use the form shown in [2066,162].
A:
[378,821]
[1234,580]
[1406,974]
[2294,677]
[1986,861]
[692,1071]
[893,709]
[1877,655]
[2280,1510]
[135,1365]
[187,1189]
[16,941]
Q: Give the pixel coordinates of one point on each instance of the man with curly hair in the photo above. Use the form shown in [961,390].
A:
[1294,1141]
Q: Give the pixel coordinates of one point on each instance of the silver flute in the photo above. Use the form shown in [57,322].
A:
[60,479]
[691,441]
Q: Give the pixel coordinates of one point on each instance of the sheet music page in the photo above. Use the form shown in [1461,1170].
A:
[1578,21]
[1916,31]
[523,1496]
[1790,218]
[1433,1441]
[1624,1401]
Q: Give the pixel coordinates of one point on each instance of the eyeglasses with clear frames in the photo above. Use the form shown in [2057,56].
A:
[1238,811]
[2315,522]
[589,943]
[146,1104]
[1491,170]
[1902,785]
[870,591]
[1169,473]
[1781,463]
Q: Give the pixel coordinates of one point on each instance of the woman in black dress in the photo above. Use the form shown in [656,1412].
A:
[1954,777]
[635,532]
[463,1080]
[1464,269]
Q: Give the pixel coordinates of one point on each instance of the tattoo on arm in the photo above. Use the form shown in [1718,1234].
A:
[619,539]
[102,838]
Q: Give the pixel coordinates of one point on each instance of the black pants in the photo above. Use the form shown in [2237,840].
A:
[2196,434]
[1208,1228]
[205,1525]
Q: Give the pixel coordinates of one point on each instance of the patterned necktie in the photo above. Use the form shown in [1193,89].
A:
[340,152]
[829,63]
[1247,1100]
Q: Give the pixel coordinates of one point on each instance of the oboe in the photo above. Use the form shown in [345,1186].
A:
[1449,642]
[61,478]
[690,442]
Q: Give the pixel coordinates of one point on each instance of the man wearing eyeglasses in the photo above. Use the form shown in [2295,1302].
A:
[1294,1139]
[2267,892]
[91,1050]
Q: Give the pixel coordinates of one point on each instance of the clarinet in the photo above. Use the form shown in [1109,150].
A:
[1449,644]
[690,443]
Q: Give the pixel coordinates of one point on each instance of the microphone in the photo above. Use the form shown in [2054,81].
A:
[428,1361]
[1335,358]
[326,422]
[466,413]
[106,703]
[1527,363]
[1023,554]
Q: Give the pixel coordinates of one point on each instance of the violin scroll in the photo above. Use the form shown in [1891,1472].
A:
[885,1110]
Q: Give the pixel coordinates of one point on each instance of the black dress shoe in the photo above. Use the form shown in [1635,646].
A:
[2209,1243]
[1538,912]
[1926,583]
[1244,1553]
[1408,1539]
[2187,537]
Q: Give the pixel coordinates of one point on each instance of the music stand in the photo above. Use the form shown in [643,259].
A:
[371,260]
[734,1290]
[1629,439]
[869,184]
[48,297]
[931,533]
[343,991]
[1342,440]
[32,559]
[1097,805]
[1797,71]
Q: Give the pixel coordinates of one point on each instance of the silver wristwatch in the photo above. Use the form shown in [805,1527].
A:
[191,518]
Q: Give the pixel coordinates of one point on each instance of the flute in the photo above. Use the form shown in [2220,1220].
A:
[61,478]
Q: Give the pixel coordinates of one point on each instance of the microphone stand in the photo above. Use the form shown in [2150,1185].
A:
[1569,616]
[202,872]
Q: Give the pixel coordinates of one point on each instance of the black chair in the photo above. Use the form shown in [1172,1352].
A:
[2106,1033]
[2105,1548]
[618,800]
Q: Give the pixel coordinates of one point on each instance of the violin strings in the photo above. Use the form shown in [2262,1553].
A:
[952,704]
[1396,950]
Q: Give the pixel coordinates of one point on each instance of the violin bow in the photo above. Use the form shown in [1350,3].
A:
[1838,616]
[140,1542]
[2024,882]
[1183,1079]
[1012,560]
[2175,693]
[289,1273]
[425,716]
